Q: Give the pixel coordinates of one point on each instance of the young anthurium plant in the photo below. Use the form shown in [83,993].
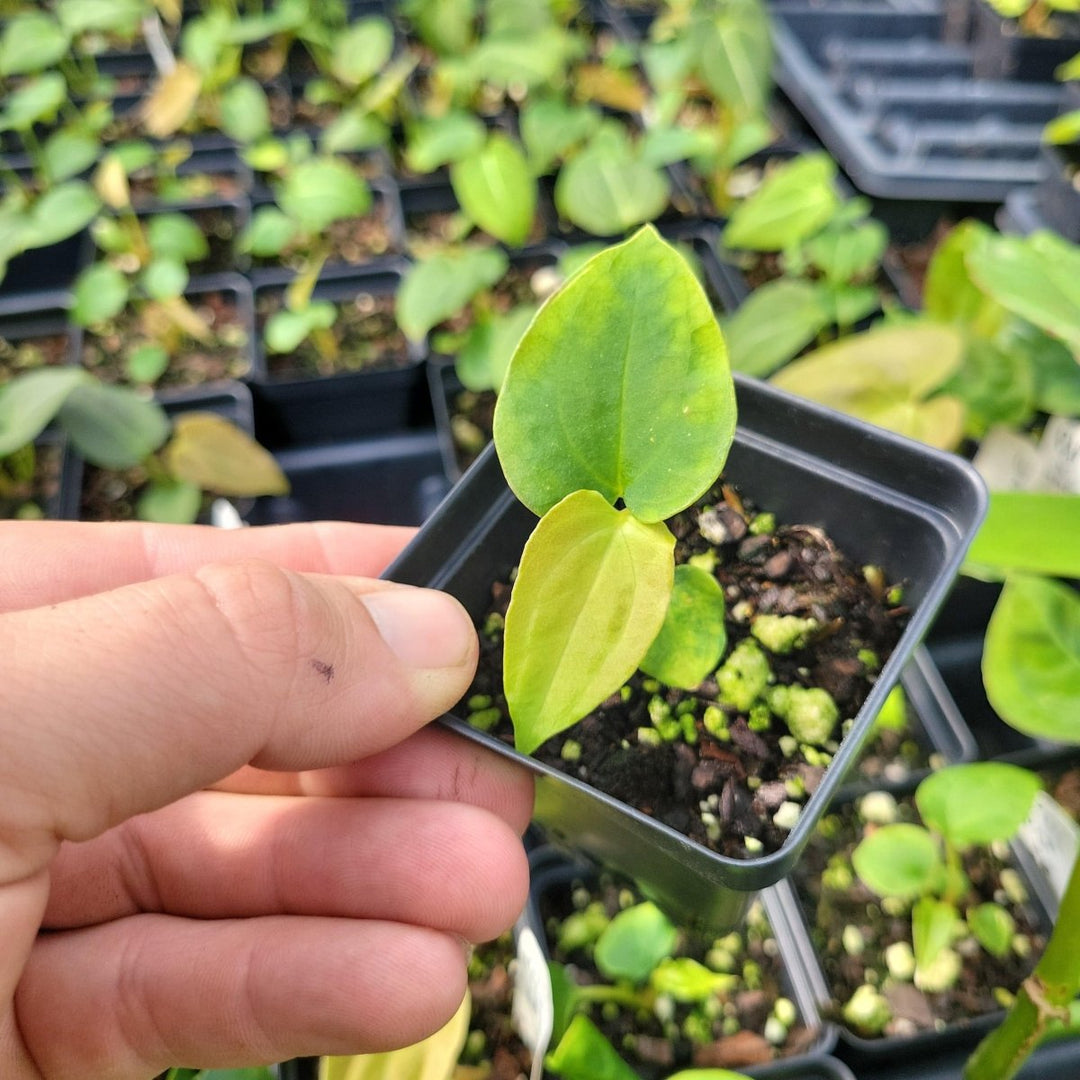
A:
[962,807]
[603,454]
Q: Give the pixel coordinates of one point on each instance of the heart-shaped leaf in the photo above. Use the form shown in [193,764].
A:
[590,595]
[360,52]
[496,189]
[634,942]
[620,384]
[898,860]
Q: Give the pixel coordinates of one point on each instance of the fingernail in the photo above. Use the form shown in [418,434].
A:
[424,628]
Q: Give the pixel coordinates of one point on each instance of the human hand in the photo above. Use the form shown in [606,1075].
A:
[219,804]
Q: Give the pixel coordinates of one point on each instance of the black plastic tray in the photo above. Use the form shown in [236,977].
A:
[897,105]
[884,500]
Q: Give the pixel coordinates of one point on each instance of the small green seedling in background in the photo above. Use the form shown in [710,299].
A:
[643,319]
[113,427]
[962,807]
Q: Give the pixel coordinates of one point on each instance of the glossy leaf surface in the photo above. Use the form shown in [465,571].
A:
[590,595]
[1034,532]
[620,385]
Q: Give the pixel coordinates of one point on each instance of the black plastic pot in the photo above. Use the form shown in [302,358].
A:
[1054,1060]
[1002,51]
[552,879]
[870,1053]
[1053,203]
[883,499]
[898,108]
[297,411]
[397,480]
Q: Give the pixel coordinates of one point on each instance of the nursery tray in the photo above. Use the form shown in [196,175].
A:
[1054,1060]
[883,499]
[898,107]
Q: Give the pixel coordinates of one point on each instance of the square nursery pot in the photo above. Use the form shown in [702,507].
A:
[1053,203]
[554,879]
[926,1044]
[294,409]
[898,107]
[883,500]
[1003,51]
[394,480]
[228,399]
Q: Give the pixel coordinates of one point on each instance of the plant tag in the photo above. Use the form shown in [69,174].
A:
[1008,461]
[1053,838]
[1059,453]
[533,1011]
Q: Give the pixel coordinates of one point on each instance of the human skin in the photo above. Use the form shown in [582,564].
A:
[227,834]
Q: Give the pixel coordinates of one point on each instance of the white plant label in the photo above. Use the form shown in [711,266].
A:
[1053,838]
[533,1011]
[1008,461]
[1059,453]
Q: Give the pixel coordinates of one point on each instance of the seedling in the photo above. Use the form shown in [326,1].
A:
[962,807]
[114,427]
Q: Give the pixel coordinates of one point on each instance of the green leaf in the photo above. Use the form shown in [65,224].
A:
[61,212]
[482,362]
[445,25]
[244,112]
[35,101]
[1033,532]
[848,304]
[353,131]
[898,860]
[164,279]
[497,190]
[688,981]
[949,293]
[268,233]
[584,1054]
[667,145]
[285,329]
[883,376]
[1063,129]
[360,52]
[69,152]
[651,415]
[774,323]
[934,926]
[215,455]
[590,595]
[843,255]
[792,203]
[537,61]
[977,803]
[551,128]
[176,236]
[736,55]
[1057,373]
[31,42]
[607,189]
[146,363]
[170,502]
[318,192]
[112,426]
[1031,658]
[993,928]
[1036,277]
[634,942]
[101,291]
[120,17]
[996,383]
[442,285]
[693,637]
[30,401]
[435,142]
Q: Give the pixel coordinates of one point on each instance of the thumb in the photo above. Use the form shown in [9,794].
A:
[121,702]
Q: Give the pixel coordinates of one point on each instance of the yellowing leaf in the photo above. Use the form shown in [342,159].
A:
[614,87]
[178,312]
[590,596]
[432,1059]
[111,183]
[215,455]
[171,102]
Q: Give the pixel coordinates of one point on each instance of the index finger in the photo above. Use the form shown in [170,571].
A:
[48,562]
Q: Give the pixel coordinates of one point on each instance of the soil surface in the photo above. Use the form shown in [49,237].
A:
[29,478]
[192,362]
[729,1035]
[724,793]
[829,910]
[365,334]
[27,354]
[471,418]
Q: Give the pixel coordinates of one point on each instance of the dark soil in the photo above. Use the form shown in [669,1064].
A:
[471,418]
[149,189]
[435,228]
[110,495]
[192,362]
[366,334]
[29,478]
[892,756]
[26,354]
[729,788]
[830,910]
[732,1038]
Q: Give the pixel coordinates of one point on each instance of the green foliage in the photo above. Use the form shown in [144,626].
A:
[584,1054]
[496,189]
[1031,657]
[110,426]
[993,928]
[483,359]
[31,41]
[244,111]
[286,329]
[634,942]
[318,192]
[443,140]
[898,860]
[693,636]
[362,50]
[1028,531]
[552,129]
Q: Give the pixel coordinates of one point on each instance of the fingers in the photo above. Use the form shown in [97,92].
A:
[126,1000]
[432,764]
[46,562]
[214,856]
[160,688]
